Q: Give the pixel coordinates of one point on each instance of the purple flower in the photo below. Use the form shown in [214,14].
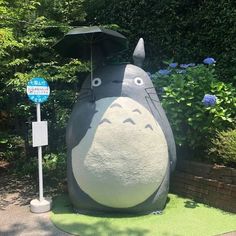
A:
[209,61]
[164,72]
[173,65]
[209,100]
[191,64]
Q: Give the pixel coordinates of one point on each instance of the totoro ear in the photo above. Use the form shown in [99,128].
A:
[139,53]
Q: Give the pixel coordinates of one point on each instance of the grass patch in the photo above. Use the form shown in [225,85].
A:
[181,216]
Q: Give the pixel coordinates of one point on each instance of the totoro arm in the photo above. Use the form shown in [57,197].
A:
[79,123]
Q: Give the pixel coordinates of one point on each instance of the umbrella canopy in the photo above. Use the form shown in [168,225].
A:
[81,42]
[87,42]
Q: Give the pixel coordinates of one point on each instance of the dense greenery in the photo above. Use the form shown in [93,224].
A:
[28,30]
[224,147]
[193,123]
[186,30]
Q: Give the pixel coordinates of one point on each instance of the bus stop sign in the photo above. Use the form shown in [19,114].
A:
[38,90]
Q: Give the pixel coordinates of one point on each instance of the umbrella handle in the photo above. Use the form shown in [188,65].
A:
[91,73]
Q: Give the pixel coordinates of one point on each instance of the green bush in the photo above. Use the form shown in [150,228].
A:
[224,147]
[182,29]
[11,147]
[54,167]
[182,91]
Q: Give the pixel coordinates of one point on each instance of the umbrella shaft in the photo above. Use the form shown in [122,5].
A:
[91,61]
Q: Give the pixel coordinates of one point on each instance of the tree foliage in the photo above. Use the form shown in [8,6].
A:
[28,29]
[182,29]
[185,30]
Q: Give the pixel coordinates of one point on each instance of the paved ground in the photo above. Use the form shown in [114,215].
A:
[15,216]
[17,220]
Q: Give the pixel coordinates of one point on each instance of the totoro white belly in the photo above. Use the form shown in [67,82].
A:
[123,157]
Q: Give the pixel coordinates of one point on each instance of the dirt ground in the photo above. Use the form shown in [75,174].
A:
[15,216]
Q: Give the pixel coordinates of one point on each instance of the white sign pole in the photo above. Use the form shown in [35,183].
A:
[38,92]
[40,163]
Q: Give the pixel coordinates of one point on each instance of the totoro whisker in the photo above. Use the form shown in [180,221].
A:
[153,104]
[85,89]
[84,96]
[146,89]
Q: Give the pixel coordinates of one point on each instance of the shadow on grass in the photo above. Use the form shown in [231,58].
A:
[101,227]
[62,205]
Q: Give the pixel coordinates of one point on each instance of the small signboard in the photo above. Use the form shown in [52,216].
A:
[40,133]
[38,90]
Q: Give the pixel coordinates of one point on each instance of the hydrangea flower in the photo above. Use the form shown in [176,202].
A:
[209,61]
[191,64]
[209,100]
[173,65]
[164,72]
[184,66]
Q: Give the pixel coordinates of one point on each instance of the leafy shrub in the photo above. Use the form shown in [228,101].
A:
[53,161]
[11,147]
[224,147]
[54,168]
[186,30]
[182,91]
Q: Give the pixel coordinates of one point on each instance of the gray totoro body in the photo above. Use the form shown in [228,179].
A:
[120,145]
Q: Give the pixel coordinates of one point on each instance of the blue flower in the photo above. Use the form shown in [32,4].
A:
[209,100]
[209,61]
[173,65]
[184,66]
[164,72]
[191,64]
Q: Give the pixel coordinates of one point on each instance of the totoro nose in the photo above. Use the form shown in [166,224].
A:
[117,81]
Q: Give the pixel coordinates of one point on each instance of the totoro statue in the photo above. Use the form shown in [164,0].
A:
[121,148]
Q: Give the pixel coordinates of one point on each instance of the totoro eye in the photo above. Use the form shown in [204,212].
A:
[96,82]
[138,81]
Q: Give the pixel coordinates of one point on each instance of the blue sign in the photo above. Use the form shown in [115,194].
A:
[38,90]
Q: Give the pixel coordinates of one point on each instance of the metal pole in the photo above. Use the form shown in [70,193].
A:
[40,159]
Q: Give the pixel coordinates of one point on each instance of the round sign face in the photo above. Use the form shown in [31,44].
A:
[38,90]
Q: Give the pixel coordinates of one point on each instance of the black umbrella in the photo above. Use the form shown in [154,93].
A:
[84,42]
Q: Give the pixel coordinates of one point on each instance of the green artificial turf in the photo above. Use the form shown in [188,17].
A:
[181,217]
